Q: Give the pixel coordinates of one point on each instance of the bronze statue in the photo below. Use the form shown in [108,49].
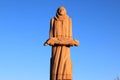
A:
[60,38]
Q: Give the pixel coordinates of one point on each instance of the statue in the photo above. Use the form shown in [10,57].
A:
[60,38]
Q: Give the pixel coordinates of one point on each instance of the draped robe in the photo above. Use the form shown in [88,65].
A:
[60,63]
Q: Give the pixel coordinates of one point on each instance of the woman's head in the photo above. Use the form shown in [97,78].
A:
[61,11]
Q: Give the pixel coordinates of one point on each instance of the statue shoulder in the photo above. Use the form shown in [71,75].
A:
[70,20]
[52,20]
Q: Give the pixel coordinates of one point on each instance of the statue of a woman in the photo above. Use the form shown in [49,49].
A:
[60,39]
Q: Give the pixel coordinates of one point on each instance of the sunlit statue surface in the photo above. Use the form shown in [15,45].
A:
[60,38]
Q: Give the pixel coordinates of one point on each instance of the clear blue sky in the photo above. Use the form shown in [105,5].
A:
[24,27]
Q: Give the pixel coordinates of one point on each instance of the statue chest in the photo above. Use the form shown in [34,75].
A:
[61,27]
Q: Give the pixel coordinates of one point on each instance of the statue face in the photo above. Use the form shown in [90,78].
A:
[62,11]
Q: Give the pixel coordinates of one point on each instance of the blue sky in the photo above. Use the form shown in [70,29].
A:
[24,27]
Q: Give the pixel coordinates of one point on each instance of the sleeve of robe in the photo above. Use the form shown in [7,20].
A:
[51,29]
[70,29]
